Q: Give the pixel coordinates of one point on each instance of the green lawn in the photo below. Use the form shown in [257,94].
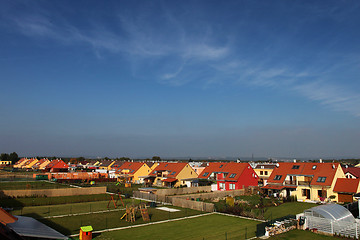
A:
[301,235]
[40,201]
[30,185]
[99,221]
[73,208]
[210,227]
[289,208]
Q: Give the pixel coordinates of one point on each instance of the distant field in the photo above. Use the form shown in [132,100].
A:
[301,235]
[210,227]
[30,185]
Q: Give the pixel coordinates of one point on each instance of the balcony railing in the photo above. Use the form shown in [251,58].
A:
[304,183]
[297,183]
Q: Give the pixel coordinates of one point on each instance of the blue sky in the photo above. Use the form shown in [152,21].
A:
[180,78]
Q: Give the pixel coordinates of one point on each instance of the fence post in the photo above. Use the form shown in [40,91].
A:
[225,235]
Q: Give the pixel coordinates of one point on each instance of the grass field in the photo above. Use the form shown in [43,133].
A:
[99,221]
[301,235]
[41,201]
[10,185]
[285,209]
[73,208]
[210,227]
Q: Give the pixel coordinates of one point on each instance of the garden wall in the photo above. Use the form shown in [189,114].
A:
[181,191]
[54,192]
[201,206]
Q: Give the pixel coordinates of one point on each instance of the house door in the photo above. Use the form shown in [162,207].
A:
[307,193]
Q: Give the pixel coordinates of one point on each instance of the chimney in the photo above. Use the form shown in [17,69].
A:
[320,160]
[294,160]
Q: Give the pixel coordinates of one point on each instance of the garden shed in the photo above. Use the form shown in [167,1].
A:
[332,219]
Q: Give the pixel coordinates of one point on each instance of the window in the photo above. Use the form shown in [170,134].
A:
[232,175]
[172,173]
[232,186]
[166,165]
[314,167]
[321,179]
[266,172]
[295,167]
[261,172]
[277,177]
[205,174]
[221,166]
[221,186]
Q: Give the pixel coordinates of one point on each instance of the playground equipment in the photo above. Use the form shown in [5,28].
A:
[115,202]
[131,210]
[130,214]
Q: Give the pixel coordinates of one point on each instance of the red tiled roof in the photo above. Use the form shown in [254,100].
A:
[57,164]
[169,180]
[6,217]
[170,167]
[346,185]
[212,167]
[314,170]
[233,170]
[132,166]
[352,170]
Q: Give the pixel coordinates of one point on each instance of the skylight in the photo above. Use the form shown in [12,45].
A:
[314,167]
[232,175]
[221,166]
[295,167]
[277,177]
[205,174]
[321,179]
[172,173]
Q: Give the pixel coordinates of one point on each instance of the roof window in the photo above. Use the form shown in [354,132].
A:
[314,167]
[221,166]
[172,173]
[205,174]
[295,167]
[277,177]
[321,179]
[232,175]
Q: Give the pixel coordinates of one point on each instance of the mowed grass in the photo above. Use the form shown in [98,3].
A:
[301,235]
[209,227]
[73,208]
[289,208]
[100,221]
[30,185]
[40,201]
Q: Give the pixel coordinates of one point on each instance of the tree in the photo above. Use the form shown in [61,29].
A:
[156,158]
[13,157]
[4,157]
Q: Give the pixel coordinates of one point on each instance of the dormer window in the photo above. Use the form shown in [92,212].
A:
[295,167]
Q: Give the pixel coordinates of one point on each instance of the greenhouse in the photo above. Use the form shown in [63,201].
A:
[333,219]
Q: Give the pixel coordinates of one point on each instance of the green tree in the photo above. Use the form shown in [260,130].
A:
[4,157]
[13,157]
[156,158]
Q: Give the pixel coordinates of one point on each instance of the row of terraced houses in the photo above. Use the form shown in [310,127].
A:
[304,180]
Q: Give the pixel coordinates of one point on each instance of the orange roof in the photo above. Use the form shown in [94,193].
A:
[233,170]
[57,164]
[132,166]
[346,185]
[216,167]
[174,168]
[322,173]
[6,217]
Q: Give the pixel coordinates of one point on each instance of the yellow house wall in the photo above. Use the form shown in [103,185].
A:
[258,170]
[186,172]
[142,171]
[32,163]
[44,164]
[5,162]
[314,189]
